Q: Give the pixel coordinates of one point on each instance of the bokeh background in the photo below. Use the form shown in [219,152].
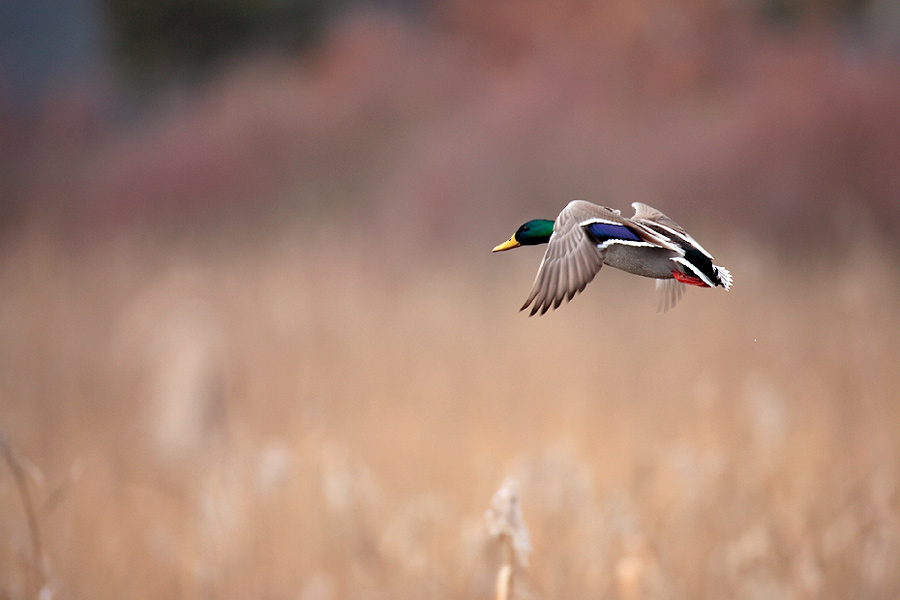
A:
[253,342]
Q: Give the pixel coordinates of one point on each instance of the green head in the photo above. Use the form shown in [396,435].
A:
[531,233]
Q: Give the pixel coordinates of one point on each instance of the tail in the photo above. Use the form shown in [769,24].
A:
[723,277]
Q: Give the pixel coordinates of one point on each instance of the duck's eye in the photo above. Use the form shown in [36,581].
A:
[524,228]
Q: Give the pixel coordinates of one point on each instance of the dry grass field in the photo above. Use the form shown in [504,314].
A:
[254,344]
[280,413]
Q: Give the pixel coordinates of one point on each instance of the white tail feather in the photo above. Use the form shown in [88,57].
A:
[724,276]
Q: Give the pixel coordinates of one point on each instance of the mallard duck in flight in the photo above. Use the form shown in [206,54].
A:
[585,236]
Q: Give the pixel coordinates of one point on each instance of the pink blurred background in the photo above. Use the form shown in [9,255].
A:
[450,119]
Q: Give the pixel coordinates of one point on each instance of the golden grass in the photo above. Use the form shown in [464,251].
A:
[261,416]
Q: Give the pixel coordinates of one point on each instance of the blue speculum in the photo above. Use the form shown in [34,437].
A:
[610,231]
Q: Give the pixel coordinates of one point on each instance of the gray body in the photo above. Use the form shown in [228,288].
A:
[643,261]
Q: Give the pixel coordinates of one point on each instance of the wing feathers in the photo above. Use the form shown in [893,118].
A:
[571,261]
[669,292]
[660,223]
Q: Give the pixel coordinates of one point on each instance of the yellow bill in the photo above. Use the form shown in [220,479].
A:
[507,245]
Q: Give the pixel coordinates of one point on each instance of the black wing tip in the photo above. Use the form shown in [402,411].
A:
[537,307]
[542,308]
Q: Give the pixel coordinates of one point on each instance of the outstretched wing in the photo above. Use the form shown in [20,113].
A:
[572,259]
[652,219]
[669,292]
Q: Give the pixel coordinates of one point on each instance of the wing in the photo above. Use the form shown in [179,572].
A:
[572,259]
[651,218]
[669,292]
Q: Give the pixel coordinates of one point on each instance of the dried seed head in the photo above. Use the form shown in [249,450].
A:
[505,523]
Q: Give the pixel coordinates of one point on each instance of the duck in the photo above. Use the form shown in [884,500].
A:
[586,236]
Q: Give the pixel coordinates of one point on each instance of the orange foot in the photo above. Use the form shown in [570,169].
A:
[688,279]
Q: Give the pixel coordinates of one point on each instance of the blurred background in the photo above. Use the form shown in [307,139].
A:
[253,342]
